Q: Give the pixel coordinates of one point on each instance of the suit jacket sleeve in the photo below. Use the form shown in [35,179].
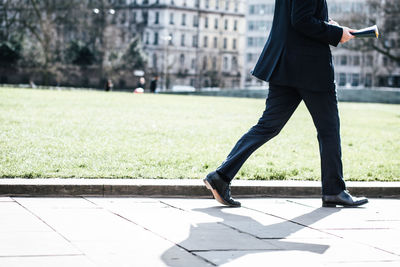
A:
[303,20]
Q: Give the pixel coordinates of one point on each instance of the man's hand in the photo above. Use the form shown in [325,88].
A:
[347,36]
[332,22]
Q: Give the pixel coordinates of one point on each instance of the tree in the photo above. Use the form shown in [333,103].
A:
[386,14]
[43,21]
[10,33]
[79,54]
[9,53]
[134,57]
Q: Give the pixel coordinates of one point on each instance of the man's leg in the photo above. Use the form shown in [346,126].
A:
[324,111]
[281,103]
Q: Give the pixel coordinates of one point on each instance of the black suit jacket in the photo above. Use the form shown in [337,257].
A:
[297,51]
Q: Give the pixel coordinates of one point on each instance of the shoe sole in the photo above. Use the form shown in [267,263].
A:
[215,193]
[334,205]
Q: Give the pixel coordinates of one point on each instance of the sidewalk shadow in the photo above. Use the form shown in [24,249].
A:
[276,232]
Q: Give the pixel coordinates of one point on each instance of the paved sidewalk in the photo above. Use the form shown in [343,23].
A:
[92,231]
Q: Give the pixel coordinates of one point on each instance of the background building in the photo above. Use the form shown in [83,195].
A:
[357,64]
[259,16]
[196,43]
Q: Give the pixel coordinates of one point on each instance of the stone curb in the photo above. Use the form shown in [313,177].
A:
[181,188]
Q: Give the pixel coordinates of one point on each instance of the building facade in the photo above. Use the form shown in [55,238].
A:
[191,42]
[259,16]
[353,67]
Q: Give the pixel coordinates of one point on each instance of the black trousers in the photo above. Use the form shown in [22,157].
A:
[282,101]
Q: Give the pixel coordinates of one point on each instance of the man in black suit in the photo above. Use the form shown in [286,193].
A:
[297,63]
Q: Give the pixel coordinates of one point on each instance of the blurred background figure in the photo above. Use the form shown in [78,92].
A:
[109,85]
[153,84]
[140,86]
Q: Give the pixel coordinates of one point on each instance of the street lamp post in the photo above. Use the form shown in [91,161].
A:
[166,39]
[101,13]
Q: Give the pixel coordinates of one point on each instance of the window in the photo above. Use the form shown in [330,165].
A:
[155,38]
[195,21]
[249,57]
[207,3]
[183,40]
[225,43]
[216,4]
[171,39]
[214,63]
[206,22]
[385,61]
[204,63]
[235,24]
[234,63]
[216,23]
[234,44]
[252,9]
[157,18]
[194,41]
[205,42]
[183,19]
[147,38]
[171,18]
[193,64]
[343,60]
[356,60]
[355,79]
[215,42]
[368,80]
[250,41]
[227,5]
[342,79]
[226,24]
[182,59]
[225,63]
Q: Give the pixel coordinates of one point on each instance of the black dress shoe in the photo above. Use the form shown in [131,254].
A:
[343,199]
[220,189]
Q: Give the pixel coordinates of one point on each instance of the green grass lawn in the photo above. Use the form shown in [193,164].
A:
[97,134]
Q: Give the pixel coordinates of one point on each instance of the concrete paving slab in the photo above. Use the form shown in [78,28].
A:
[87,224]
[321,218]
[193,231]
[302,253]
[35,244]
[55,203]
[385,239]
[250,221]
[146,250]
[282,258]
[43,261]
[15,218]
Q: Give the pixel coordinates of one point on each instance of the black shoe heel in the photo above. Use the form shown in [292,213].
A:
[208,185]
[328,205]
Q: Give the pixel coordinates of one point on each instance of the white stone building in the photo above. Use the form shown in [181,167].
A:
[352,68]
[259,16]
[192,42]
